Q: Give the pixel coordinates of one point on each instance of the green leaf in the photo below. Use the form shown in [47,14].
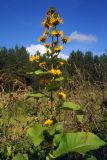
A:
[69,106]
[37,95]
[20,156]
[91,158]
[55,128]
[80,118]
[40,72]
[59,79]
[80,142]
[54,87]
[36,133]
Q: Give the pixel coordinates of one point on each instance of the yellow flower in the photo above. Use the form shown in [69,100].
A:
[48,122]
[42,64]
[62,95]
[55,21]
[58,48]
[34,58]
[56,33]
[61,63]
[65,39]
[47,45]
[42,39]
[55,72]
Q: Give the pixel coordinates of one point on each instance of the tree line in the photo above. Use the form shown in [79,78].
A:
[14,64]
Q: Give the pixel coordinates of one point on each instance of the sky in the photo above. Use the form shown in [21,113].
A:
[85,22]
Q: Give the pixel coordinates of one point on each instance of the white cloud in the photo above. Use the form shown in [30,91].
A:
[81,37]
[32,49]
[63,56]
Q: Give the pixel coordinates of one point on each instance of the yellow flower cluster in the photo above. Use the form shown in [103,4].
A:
[55,72]
[52,19]
[62,95]
[57,33]
[42,64]
[34,58]
[48,122]
[58,48]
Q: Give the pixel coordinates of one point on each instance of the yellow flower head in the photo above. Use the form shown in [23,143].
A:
[34,58]
[55,72]
[48,122]
[56,20]
[61,63]
[56,33]
[42,64]
[42,39]
[47,45]
[62,95]
[58,48]
[65,39]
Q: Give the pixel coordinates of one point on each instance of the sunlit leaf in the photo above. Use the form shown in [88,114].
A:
[69,106]
[80,142]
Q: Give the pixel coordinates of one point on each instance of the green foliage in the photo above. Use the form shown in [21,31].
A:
[69,106]
[80,142]
[20,156]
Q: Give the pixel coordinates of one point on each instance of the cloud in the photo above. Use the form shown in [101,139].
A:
[63,56]
[81,37]
[32,49]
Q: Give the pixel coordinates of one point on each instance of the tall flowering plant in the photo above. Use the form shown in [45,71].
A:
[49,134]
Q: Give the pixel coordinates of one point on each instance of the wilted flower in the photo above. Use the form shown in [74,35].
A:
[42,39]
[65,39]
[47,45]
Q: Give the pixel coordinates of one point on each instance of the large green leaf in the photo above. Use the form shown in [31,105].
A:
[80,142]
[20,156]
[69,106]
[36,133]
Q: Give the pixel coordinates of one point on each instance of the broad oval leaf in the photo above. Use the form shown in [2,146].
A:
[35,132]
[69,106]
[80,142]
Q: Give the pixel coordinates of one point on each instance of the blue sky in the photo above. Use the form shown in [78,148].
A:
[84,20]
